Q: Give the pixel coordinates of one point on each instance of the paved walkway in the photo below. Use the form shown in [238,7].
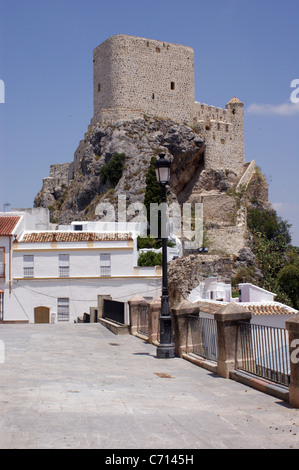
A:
[80,386]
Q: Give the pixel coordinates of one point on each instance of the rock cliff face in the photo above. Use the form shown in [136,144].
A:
[72,191]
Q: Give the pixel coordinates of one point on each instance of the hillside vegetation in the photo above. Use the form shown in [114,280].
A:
[277,259]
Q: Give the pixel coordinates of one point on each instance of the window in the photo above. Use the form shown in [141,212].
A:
[63,309]
[105,264]
[28,265]
[172,86]
[2,262]
[99,87]
[64,265]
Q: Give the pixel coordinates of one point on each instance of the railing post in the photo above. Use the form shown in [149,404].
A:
[227,336]
[154,310]
[292,326]
[101,299]
[180,316]
[134,304]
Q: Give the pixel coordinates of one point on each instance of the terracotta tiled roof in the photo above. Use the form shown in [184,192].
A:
[274,308]
[48,237]
[7,225]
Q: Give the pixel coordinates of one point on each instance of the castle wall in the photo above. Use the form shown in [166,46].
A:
[62,173]
[60,177]
[219,209]
[223,131]
[228,240]
[136,76]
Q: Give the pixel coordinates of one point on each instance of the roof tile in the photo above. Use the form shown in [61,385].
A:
[49,237]
[7,225]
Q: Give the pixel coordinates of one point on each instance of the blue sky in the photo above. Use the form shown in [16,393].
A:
[242,48]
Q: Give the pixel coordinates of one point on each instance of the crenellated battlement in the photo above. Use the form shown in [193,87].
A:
[204,112]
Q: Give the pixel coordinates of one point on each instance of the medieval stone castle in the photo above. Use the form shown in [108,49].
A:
[137,78]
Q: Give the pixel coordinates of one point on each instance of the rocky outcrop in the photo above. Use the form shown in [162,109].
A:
[185,274]
[75,195]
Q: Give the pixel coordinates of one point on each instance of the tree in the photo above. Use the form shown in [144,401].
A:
[272,250]
[288,281]
[270,226]
[152,188]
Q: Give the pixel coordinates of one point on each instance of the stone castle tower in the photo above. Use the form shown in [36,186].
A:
[136,77]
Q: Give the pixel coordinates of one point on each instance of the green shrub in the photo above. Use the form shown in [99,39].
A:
[150,258]
[113,170]
[150,242]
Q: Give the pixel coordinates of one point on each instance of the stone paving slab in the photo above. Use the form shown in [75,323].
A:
[81,387]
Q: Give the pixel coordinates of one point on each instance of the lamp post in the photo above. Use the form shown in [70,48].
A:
[165,350]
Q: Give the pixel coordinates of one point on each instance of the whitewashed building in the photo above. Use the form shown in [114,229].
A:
[56,275]
[10,228]
[213,295]
[211,289]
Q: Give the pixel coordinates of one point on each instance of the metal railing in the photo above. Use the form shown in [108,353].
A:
[64,271]
[142,321]
[105,271]
[264,352]
[29,272]
[202,337]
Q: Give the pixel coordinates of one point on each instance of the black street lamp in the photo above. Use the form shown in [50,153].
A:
[165,350]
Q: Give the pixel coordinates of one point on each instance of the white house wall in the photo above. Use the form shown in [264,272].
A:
[82,262]
[252,293]
[82,294]
[6,281]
